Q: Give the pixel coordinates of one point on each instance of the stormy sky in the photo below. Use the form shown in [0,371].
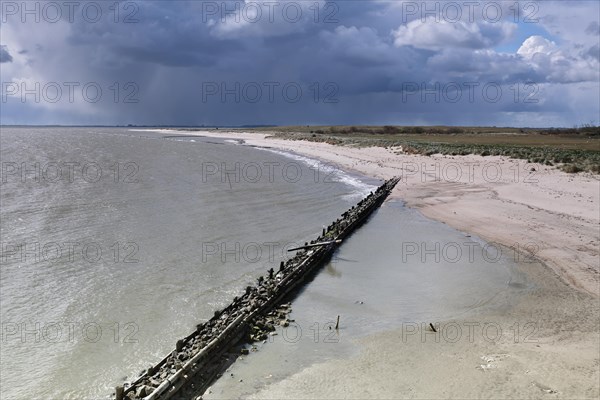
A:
[493,63]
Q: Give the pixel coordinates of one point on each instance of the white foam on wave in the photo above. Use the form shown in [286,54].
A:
[163,130]
[330,172]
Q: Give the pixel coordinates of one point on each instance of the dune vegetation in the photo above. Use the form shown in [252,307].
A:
[572,150]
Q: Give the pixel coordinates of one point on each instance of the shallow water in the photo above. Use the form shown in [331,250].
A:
[153,231]
[143,239]
[399,269]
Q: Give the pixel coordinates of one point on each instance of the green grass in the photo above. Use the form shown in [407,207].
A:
[572,150]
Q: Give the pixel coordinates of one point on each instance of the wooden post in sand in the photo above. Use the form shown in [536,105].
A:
[337,324]
[119,393]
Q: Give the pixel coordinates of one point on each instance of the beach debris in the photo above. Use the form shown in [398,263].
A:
[490,360]
[119,392]
[432,327]
[544,388]
[143,391]
[308,246]
[252,317]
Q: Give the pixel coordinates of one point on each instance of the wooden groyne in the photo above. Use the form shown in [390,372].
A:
[252,315]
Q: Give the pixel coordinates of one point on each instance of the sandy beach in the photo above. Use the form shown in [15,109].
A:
[198,197]
[539,210]
[547,346]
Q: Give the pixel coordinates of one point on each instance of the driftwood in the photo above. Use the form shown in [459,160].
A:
[308,246]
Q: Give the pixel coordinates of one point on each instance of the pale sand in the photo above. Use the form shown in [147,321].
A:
[548,213]
[554,215]
[548,349]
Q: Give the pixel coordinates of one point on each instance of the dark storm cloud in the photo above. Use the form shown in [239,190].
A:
[593,28]
[355,62]
[183,58]
[5,56]
[593,52]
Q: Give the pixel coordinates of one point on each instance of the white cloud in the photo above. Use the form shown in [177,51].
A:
[175,48]
[437,35]
[537,45]
[558,64]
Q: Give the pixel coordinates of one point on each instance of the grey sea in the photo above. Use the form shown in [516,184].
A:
[117,242]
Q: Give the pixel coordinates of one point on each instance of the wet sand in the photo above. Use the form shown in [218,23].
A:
[530,336]
[544,212]
[547,348]
[545,344]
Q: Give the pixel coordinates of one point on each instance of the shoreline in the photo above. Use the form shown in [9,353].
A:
[378,354]
[496,198]
[549,343]
[545,346]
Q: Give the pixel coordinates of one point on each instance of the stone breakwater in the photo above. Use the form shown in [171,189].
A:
[249,317]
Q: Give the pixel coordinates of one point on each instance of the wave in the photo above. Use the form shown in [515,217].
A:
[331,171]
